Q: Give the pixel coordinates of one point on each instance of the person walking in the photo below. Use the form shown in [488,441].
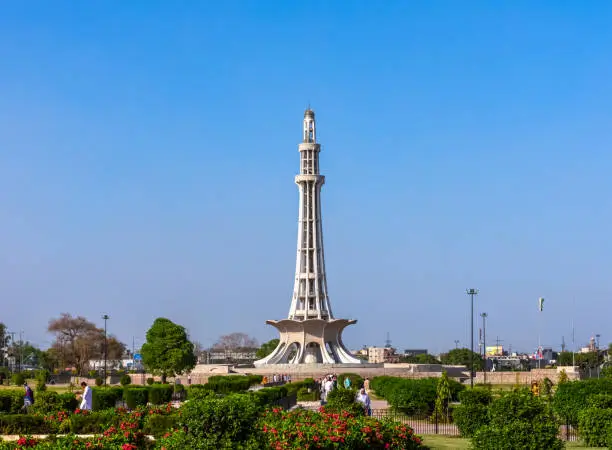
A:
[86,397]
[28,397]
[347,383]
[366,385]
[364,399]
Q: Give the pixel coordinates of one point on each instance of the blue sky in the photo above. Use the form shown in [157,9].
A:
[147,155]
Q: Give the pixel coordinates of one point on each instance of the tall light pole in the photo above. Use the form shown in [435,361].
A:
[456,343]
[472,292]
[105,317]
[484,343]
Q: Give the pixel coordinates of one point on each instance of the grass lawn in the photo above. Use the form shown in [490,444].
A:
[447,443]
[59,388]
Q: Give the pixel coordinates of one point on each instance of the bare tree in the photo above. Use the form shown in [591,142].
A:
[78,340]
[235,341]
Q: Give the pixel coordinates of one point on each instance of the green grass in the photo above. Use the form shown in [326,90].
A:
[455,443]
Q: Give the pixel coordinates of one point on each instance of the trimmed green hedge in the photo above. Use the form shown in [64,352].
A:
[415,397]
[11,400]
[573,396]
[593,426]
[105,398]
[22,424]
[473,411]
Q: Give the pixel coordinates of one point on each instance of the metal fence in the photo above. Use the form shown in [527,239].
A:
[431,425]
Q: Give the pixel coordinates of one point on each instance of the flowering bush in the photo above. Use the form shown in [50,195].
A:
[304,429]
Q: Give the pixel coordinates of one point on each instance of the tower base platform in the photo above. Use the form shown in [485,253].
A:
[310,341]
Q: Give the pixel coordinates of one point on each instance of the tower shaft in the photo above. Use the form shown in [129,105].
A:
[310,300]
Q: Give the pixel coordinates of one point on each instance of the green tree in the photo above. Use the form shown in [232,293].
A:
[267,348]
[443,397]
[422,358]
[462,357]
[168,351]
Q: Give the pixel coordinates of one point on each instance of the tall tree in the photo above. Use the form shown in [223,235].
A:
[267,348]
[168,351]
[235,341]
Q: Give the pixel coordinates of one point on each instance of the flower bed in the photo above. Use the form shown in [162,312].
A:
[304,429]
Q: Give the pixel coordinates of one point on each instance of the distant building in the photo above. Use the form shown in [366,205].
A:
[228,356]
[377,355]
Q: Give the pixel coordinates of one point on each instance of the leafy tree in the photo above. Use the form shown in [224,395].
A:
[443,397]
[267,348]
[584,361]
[462,356]
[168,351]
[423,358]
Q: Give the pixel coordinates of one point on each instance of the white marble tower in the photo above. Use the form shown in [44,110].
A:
[310,334]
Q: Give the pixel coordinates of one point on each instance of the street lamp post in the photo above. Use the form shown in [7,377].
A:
[456,343]
[484,344]
[105,317]
[472,292]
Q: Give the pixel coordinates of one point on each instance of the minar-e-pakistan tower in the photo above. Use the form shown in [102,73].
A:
[310,334]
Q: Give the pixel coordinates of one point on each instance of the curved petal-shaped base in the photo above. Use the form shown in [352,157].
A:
[309,342]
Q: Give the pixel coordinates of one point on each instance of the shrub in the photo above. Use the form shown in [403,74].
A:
[11,401]
[99,381]
[125,380]
[21,423]
[135,396]
[518,420]
[593,425]
[469,418]
[282,429]
[160,393]
[304,395]
[356,380]
[415,397]
[18,379]
[178,388]
[571,397]
[92,374]
[198,392]
[518,435]
[222,422]
[150,381]
[339,400]
[600,401]
[104,398]
[476,396]
[158,425]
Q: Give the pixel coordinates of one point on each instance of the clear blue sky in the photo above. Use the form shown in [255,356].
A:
[147,155]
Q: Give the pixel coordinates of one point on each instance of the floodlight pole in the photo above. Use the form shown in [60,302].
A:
[472,292]
[484,343]
[105,317]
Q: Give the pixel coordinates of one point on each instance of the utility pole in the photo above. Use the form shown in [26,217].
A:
[20,351]
[12,333]
[562,344]
[105,317]
[472,292]
[484,343]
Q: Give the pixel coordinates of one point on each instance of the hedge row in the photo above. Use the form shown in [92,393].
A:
[95,422]
[414,397]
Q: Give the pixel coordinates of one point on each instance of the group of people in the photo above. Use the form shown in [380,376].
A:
[330,382]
